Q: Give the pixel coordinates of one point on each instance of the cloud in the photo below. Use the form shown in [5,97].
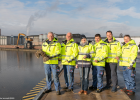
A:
[81,25]
[87,17]
[40,2]
[28,2]
[114,1]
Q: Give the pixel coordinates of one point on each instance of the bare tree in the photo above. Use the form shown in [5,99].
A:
[121,35]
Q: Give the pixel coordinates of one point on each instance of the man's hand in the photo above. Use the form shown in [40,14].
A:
[85,57]
[76,66]
[131,67]
[117,58]
[128,67]
[59,59]
[96,61]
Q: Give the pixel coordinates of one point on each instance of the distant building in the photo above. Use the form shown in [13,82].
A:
[11,40]
[76,37]
[35,40]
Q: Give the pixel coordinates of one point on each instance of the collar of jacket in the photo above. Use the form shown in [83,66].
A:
[65,41]
[101,41]
[54,40]
[131,42]
[106,40]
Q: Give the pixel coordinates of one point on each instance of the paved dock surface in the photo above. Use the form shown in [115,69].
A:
[92,95]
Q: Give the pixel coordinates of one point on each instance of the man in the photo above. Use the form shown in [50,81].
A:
[114,53]
[52,49]
[101,52]
[68,54]
[128,61]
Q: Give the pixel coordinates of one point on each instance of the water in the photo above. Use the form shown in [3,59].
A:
[19,73]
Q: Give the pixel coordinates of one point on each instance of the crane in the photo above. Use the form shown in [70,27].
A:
[27,40]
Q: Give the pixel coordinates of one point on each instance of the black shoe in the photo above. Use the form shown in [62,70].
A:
[107,87]
[58,92]
[92,88]
[64,88]
[69,90]
[47,91]
[99,90]
[114,89]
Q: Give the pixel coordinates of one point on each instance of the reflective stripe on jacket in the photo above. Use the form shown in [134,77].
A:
[101,52]
[129,54]
[53,50]
[114,50]
[86,50]
[69,52]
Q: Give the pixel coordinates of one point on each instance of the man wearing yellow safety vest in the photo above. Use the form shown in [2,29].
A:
[101,52]
[69,53]
[85,53]
[112,60]
[52,49]
[128,61]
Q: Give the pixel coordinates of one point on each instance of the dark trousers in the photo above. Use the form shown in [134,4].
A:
[111,74]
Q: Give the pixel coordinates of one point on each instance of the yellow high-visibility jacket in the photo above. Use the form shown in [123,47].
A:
[113,51]
[53,50]
[69,52]
[101,52]
[87,50]
[129,54]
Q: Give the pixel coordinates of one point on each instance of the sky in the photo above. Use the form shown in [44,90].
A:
[89,17]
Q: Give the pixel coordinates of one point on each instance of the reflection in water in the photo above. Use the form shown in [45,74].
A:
[0,64]
[19,73]
[18,61]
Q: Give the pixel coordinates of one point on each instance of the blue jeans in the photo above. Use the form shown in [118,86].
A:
[128,79]
[69,75]
[100,72]
[94,76]
[84,77]
[48,68]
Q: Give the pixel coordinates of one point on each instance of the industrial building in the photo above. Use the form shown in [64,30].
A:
[11,40]
[39,39]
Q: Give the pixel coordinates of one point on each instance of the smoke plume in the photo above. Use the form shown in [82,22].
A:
[40,14]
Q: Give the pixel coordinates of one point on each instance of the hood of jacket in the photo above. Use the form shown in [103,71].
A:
[131,42]
[54,39]
[65,41]
[101,41]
